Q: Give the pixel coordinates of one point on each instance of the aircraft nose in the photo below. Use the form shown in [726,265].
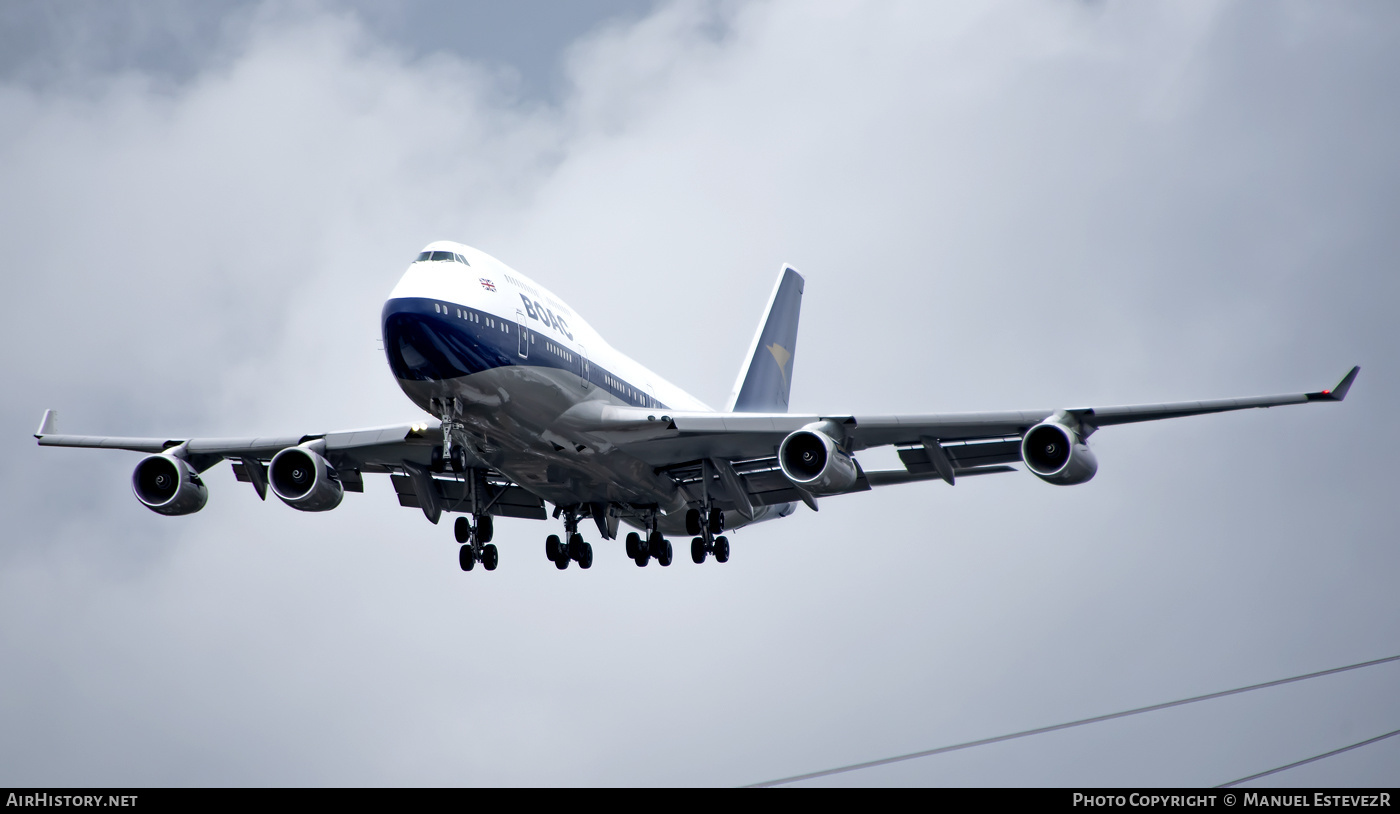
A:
[428,340]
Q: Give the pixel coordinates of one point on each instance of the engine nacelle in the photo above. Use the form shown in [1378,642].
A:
[1056,454]
[813,461]
[304,480]
[167,485]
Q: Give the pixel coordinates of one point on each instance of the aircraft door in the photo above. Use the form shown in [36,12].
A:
[523,332]
[584,371]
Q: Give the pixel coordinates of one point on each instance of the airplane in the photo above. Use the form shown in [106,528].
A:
[530,406]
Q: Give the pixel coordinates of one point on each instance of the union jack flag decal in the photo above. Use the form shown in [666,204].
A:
[487,284]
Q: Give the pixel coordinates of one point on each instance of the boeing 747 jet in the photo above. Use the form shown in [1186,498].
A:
[529,408]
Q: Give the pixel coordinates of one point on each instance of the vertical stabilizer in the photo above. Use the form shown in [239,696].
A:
[766,378]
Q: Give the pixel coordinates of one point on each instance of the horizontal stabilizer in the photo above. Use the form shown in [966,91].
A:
[46,426]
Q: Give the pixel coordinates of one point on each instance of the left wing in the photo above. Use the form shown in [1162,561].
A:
[945,445]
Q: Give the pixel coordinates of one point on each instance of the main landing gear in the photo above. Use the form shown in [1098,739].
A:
[654,546]
[475,540]
[560,553]
[707,543]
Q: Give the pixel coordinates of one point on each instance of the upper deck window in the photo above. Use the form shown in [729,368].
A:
[450,257]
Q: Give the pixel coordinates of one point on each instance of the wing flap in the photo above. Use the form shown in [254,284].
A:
[451,496]
[965,454]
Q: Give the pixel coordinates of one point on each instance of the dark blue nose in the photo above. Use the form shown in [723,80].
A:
[426,340]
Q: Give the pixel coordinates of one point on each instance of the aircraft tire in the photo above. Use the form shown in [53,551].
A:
[716,521]
[697,550]
[721,549]
[551,547]
[466,558]
[576,545]
[561,563]
[459,459]
[664,556]
[490,558]
[692,522]
[585,559]
[462,530]
[485,529]
[642,560]
[634,544]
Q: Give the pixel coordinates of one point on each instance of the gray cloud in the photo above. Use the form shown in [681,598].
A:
[995,207]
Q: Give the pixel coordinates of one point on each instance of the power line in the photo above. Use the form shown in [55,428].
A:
[1083,721]
[1309,760]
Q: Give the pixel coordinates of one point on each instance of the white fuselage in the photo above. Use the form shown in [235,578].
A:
[484,347]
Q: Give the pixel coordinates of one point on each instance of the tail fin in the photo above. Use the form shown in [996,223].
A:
[766,378]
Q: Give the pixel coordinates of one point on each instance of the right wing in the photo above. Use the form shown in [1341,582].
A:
[403,451]
[375,449]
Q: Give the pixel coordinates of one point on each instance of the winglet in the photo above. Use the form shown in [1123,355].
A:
[1340,391]
[46,427]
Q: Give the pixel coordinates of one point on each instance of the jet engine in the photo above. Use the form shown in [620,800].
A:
[304,480]
[167,485]
[1056,454]
[812,460]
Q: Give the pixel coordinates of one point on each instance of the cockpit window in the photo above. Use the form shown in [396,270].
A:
[451,257]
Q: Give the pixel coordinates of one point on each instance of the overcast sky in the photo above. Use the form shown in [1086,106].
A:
[995,205]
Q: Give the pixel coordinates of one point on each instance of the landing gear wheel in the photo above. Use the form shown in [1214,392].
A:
[692,522]
[435,461]
[466,557]
[552,547]
[697,550]
[634,545]
[664,556]
[716,521]
[642,560]
[490,558]
[459,458]
[561,563]
[576,545]
[485,529]
[585,559]
[462,530]
[721,549]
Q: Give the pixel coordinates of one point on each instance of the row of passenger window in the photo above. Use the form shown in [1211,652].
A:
[524,286]
[473,316]
[450,257]
[625,390]
[558,351]
[616,385]
[520,284]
